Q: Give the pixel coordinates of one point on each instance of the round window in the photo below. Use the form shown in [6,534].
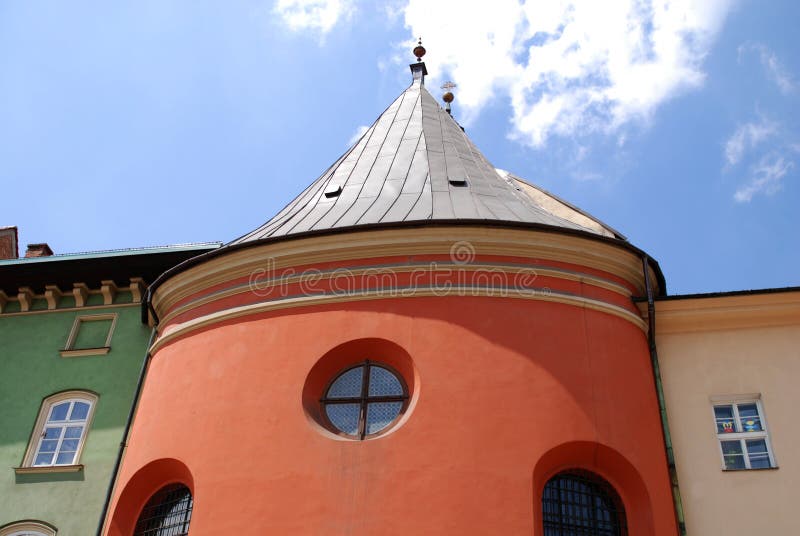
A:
[364,400]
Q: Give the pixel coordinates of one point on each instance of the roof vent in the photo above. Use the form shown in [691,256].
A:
[333,190]
[457,182]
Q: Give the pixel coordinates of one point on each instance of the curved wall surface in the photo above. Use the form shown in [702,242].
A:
[506,390]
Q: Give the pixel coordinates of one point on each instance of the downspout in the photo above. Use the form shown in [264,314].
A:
[137,394]
[662,406]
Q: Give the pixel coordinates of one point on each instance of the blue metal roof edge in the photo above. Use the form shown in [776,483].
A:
[199,246]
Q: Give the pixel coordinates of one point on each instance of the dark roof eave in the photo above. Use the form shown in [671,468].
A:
[193,261]
[728,293]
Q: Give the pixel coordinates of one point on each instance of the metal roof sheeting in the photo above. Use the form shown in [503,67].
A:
[415,163]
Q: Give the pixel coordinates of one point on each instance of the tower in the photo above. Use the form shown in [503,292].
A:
[417,344]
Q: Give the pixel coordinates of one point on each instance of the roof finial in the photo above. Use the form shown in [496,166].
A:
[448,96]
[418,70]
[419,50]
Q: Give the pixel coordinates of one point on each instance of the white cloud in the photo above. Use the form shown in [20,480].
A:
[767,177]
[775,69]
[570,67]
[315,15]
[748,136]
[360,131]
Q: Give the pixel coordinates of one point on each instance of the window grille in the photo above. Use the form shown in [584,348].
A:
[167,513]
[364,400]
[580,503]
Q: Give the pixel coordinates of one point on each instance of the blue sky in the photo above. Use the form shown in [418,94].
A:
[126,124]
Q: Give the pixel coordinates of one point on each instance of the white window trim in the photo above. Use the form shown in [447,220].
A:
[734,401]
[27,527]
[70,351]
[38,430]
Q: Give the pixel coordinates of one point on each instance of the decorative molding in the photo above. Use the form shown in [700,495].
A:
[178,330]
[49,469]
[506,269]
[69,351]
[52,294]
[81,292]
[137,288]
[71,309]
[25,298]
[402,243]
[109,290]
[755,310]
[103,350]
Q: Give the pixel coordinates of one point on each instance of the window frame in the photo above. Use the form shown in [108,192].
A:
[36,438]
[363,400]
[741,436]
[575,515]
[69,349]
[18,528]
[185,513]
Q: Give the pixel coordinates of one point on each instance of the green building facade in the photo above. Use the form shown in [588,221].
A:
[72,344]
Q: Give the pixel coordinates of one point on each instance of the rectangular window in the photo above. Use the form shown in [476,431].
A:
[742,434]
[90,335]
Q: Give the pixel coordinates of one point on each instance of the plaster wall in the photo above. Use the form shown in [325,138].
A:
[508,392]
[698,365]
[31,369]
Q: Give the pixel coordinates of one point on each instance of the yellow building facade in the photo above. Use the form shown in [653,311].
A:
[730,365]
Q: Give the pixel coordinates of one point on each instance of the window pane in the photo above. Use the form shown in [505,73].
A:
[748,414]
[344,417]
[65,458]
[48,445]
[73,432]
[732,454]
[44,459]
[52,432]
[348,385]
[757,452]
[69,445]
[381,414]
[383,383]
[59,412]
[79,411]
[724,418]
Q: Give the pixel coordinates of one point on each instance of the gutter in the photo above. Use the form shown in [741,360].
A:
[662,407]
[124,443]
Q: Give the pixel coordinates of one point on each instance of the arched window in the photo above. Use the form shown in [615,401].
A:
[60,430]
[580,503]
[27,528]
[167,513]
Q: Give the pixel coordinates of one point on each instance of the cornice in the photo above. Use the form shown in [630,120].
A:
[403,242]
[176,330]
[726,312]
[80,292]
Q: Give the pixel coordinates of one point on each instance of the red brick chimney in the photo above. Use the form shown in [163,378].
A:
[38,250]
[8,243]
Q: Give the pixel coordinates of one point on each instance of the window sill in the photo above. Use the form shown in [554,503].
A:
[749,470]
[103,350]
[48,469]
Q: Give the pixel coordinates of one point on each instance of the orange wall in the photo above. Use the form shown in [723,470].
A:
[508,393]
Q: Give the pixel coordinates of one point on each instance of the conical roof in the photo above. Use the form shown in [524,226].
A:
[415,163]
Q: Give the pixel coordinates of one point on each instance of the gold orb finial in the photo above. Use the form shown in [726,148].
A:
[448,96]
[419,50]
